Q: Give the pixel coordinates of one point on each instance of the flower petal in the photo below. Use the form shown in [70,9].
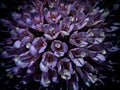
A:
[44,67]
[78,62]
[33,50]
[17,44]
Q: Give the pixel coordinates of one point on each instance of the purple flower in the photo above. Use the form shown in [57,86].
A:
[48,77]
[49,61]
[59,48]
[73,83]
[50,31]
[65,68]
[77,56]
[25,59]
[67,25]
[38,46]
[78,39]
[65,9]
[52,16]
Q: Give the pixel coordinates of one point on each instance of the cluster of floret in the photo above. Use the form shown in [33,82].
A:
[57,40]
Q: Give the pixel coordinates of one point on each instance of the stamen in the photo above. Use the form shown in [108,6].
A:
[83,54]
[71,18]
[28,45]
[47,81]
[66,75]
[51,28]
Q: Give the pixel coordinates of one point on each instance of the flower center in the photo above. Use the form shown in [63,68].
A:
[17,59]
[28,45]
[83,54]
[57,45]
[71,18]
[47,81]
[66,75]
[51,29]
[51,5]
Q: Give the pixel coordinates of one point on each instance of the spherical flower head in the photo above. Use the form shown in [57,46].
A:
[56,42]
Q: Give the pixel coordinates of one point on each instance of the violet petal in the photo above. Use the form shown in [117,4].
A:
[33,50]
